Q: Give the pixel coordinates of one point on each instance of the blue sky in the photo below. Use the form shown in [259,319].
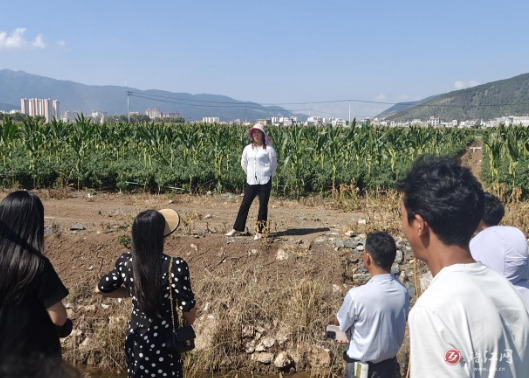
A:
[272,51]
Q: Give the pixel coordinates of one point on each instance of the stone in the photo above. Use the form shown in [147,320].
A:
[209,193]
[355,260]
[360,248]
[247,331]
[362,268]
[402,276]
[208,216]
[362,221]
[90,308]
[411,290]
[336,289]
[264,358]
[252,252]
[339,244]
[395,269]
[282,360]
[228,195]
[425,280]
[105,306]
[170,201]
[319,239]
[399,257]
[349,233]
[249,346]
[77,227]
[266,343]
[193,246]
[350,243]
[281,255]
[47,230]
[361,277]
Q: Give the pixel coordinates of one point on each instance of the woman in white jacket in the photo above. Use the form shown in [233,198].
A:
[259,162]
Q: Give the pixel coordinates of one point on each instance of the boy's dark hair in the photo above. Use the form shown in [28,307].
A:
[381,246]
[494,210]
[446,195]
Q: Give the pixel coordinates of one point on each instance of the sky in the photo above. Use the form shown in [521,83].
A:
[273,51]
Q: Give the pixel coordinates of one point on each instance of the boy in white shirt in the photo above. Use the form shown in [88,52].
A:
[470,322]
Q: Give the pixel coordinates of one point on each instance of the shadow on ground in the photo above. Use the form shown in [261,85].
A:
[300,231]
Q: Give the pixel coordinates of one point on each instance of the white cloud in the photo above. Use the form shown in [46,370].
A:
[459,84]
[61,43]
[16,40]
[380,97]
[403,97]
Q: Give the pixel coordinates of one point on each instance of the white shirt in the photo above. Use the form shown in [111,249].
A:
[504,250]
[259,164]
[470,322]
[375,316]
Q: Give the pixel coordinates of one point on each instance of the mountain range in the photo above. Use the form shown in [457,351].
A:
[486,101]
[73,96]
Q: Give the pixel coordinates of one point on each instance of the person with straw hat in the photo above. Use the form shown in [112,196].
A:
[259,162]
[143,274]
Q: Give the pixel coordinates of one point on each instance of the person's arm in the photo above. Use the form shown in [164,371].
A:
[244,161]
[57,313]
[273,160]
[120,292]
[190,316]
[346,316]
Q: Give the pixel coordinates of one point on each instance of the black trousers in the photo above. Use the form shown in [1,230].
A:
[251,191]
[389,368]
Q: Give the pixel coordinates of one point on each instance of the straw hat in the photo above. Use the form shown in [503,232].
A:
[172,221]
[261,128]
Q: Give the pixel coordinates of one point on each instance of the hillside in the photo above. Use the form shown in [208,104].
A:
[8,107]
[486,101]
[402,106]
[15,85]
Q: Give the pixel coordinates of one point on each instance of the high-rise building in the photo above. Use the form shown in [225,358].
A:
[153,113]
[24,106]
[40,107]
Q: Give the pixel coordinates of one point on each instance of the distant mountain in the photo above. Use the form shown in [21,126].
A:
[15,85]
[8,107]
[401,106]
[486,101]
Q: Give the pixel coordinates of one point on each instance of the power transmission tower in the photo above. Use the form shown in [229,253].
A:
[128,106]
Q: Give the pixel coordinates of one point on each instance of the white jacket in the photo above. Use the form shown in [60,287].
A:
[259,164]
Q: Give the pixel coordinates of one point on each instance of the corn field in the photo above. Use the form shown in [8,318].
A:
[201,157]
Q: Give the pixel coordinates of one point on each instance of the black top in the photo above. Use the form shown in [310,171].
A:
[26,328]
[145,347]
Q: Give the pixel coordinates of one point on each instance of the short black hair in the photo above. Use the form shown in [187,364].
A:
[446,195]
[381,246]
[494,210]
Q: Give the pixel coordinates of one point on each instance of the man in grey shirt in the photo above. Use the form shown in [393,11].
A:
[374,315]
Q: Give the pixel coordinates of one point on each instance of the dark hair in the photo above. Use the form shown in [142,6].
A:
[381,246]
[494,210]
[147,250]
[21,236]
[446,195]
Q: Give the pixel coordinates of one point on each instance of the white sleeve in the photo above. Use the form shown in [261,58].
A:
[244,161]
[430,344]
[273,159]
[346,314]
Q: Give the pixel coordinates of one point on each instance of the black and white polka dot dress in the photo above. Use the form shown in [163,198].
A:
[146,353]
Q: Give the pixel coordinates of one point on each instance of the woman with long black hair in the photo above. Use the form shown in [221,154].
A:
[143,275]
[32,316]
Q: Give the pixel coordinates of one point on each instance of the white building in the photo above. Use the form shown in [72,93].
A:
[69,116]
[47,108]
[210,120]
[434,121]
[153,113]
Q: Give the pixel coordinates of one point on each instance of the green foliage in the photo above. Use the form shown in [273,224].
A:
[201,157]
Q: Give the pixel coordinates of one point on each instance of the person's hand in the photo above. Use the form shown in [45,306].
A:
[342,342]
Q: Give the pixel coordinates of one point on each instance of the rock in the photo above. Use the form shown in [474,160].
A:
[360,248]
[395,269]
[252,252]
[362,268]
[402,276]
[336,289]
[47,230]
[281,255]
[90,308]
[316,356]
[247,331]
[249,346]
[230,240]
[355,260]
[350,243]
[339,244]
[77,227]
[350,234]
[228,195]
[69,305]
[170,201]
[425,280]
[194,247]
[283,334]
[266,343]
[209,193]
[319,239]
[361,277]
[282,360]
[264,358]
[411,290]
[399,257]
[362,221]
[105,306]
[208,216]
[205,328]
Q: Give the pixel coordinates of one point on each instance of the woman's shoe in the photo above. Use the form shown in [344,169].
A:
[257,236]
[232,233]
